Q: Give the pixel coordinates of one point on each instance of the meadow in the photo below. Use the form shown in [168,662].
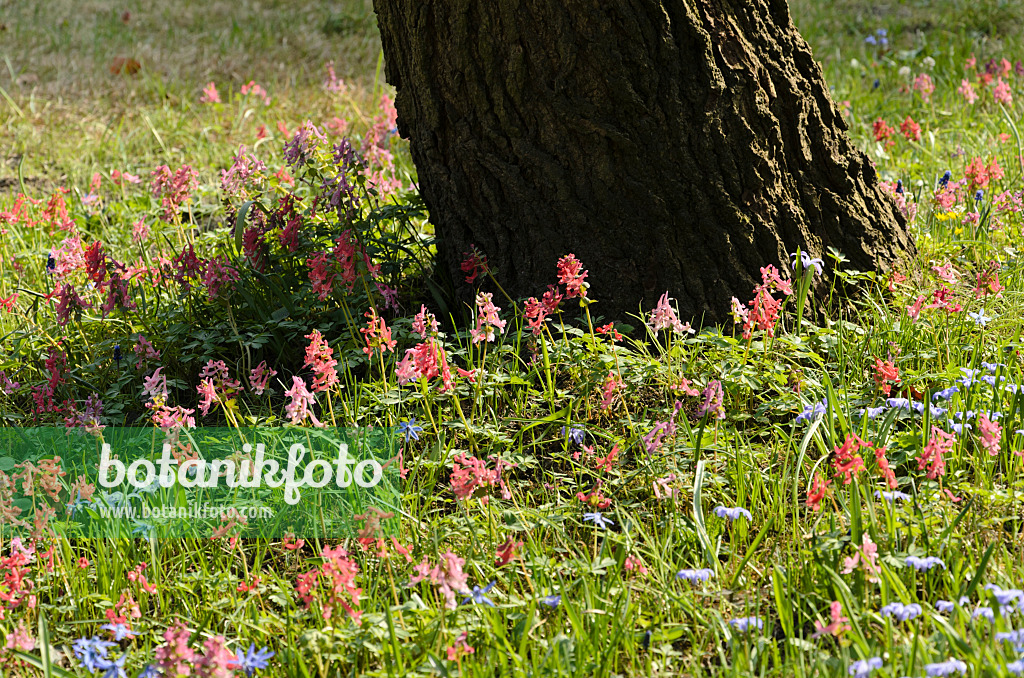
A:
[208,223]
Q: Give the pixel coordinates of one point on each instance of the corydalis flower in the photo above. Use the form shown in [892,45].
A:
[713,403]
[664,317]
[173,189]
[318,359]
[571,275]
[487,320]
[259,376]
[300,406]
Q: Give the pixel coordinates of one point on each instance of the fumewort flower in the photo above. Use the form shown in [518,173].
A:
[693,576]
[732,513]
[862,668]
[924,564]
[744,624]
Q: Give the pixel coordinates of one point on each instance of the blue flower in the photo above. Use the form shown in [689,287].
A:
[410,429]
[979,194]
[576,435]
[115,669]
[1005,596]
[979,318]
[744,624]
[945,668]
[253,661]
[732,513]
[478,597]
[598,519]
[871,40]
[703,574]
[898,403]
[51,264]
[960,428]
[946,393]
[120,631]
[1016,668]
[862,668]
[893,496]
[944,606]
[924,564]
[876,84]
[983,611]
[899,186]
[1016,637]
[554,600]
[901,612]
[944,181]
[873,412]
[812,411]
[151,671]
[92,653]
[806,262]
[968,377]
[117,353]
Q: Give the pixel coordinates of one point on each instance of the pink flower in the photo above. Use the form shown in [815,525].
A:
[664,317]
[424,323]
[865,557]
[318,358]
[611,386]
[837,626]
[460,648]
[175,657]
[570,275]
[20,639]
[173,189]
[258,92]
[924,85]
[377,334]
[300,406]
[470,474]
[1002,93]
[259,376]
[140,232]
[990,434]
[914,311]
[714,397]
[68,304]
[932,456]
[966,90]
[220,274]
[635,563]
[487,320]
[447,575]
[244,172]
[208,393]
[210,94]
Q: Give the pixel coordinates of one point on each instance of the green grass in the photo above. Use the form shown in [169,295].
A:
[622,609]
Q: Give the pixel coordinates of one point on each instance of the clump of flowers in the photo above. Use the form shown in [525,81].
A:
[487,320]
[763,311]
[173,189]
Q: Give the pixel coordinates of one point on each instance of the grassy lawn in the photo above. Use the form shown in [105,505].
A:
[200,221]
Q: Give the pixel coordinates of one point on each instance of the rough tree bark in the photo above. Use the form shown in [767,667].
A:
[673,145]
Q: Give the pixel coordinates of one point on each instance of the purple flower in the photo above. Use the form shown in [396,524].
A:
[812,411]
[901,612]
[732,513]
[553,600]
[945,668]
[862,668]
[478,597]
[944,606]
[692,576]
[898,403]
[253,660]
[744,624]
[92,653]
[924,564]
[576,435]
[983,611]
[893,496]
[946,393]
[598,519]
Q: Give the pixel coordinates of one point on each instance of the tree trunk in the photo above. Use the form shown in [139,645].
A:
[672,146]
